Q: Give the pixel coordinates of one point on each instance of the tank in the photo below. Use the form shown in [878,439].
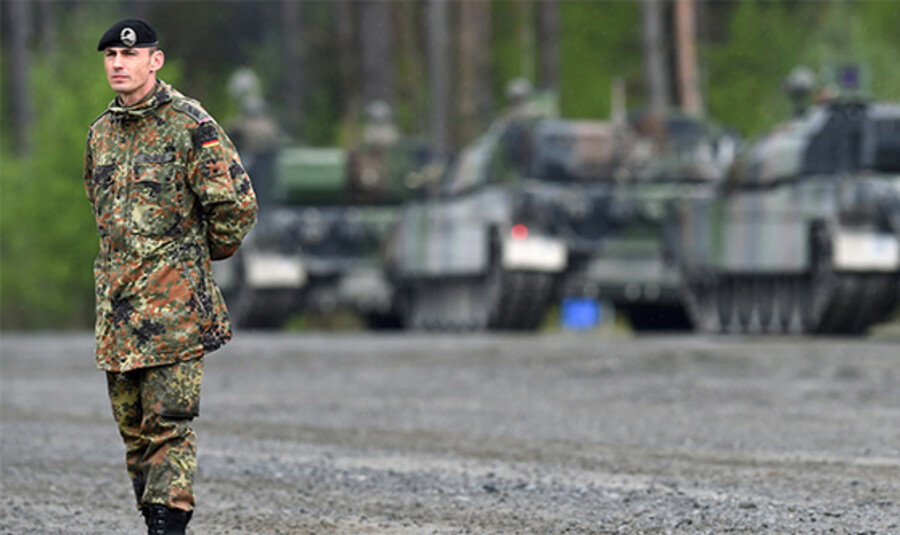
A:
[804,235]
[278,268]
[626,255]
[324,215]
[489,247]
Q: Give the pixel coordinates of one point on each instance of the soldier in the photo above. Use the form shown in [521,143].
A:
[368,176]
[379,130]
[169,194]
[518,115]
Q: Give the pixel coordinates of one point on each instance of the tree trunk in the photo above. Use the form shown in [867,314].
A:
[439,73]
[474,67]
[688,81]
[656,70]
[47,27]
[349,72]
[548,44]
[20,65]
[377,43]
[291,19]
[411,72]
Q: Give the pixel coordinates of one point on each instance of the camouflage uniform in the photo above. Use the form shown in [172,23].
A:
[153,408]
[169,195]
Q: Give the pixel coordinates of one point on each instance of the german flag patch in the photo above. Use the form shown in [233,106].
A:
[208,144]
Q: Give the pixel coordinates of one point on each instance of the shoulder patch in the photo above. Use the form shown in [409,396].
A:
[192,110]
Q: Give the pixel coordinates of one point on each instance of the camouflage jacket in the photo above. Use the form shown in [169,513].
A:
[169,194]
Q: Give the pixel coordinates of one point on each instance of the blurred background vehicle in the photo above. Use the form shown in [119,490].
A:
[324,212]
[804,236]
[479,251]
[626,252]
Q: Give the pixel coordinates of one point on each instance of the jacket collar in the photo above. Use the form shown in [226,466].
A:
[161,94]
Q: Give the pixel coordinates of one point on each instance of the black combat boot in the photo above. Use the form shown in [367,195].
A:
[162,520]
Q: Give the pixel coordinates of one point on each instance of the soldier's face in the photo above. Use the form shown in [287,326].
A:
[131,72]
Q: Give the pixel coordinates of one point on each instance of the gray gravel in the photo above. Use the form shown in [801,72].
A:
[360,433]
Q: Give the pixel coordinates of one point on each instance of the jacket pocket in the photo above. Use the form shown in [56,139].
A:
[156,198]
[176,389]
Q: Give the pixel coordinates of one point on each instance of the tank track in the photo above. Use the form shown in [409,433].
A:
[257,309]
[501,300]
[835,303]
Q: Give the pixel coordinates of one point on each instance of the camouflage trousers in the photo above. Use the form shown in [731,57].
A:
[153,408]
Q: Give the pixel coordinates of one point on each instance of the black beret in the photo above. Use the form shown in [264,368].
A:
[129,33]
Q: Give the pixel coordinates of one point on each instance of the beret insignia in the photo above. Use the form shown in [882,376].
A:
[128,37]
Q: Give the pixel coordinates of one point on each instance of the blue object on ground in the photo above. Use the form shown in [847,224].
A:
[580,313]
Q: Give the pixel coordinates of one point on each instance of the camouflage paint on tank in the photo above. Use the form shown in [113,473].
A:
[760,221]
[811,210]
[321,231]
[310,175]
[520,200]
[659,162]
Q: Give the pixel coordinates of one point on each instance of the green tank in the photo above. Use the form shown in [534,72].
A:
[490,246]
[629,264]
[324,215]
[804,235]
[277,271]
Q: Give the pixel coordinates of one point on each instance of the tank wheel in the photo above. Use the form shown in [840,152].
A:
[817,287]
[511,301]
[541,288]
[765,302]
[700,303]
[810,315]
[885,289]
[488,299]
[709,309]
[248,308]
[725,303]
[785,289]
[853,305]
[458,316]
[414,309]
[744,302]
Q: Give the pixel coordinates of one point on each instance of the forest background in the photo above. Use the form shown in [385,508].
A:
[442,64]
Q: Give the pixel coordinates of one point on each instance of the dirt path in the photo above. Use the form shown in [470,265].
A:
[420,435]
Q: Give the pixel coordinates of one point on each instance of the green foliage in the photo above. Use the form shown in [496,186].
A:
[744,89]
[766,40]
[601,41]
[874,43]
[512,58]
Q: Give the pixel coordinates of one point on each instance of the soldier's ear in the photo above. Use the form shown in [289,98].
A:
[157,60]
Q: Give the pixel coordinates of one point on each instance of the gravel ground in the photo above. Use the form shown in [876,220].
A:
[563,433]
